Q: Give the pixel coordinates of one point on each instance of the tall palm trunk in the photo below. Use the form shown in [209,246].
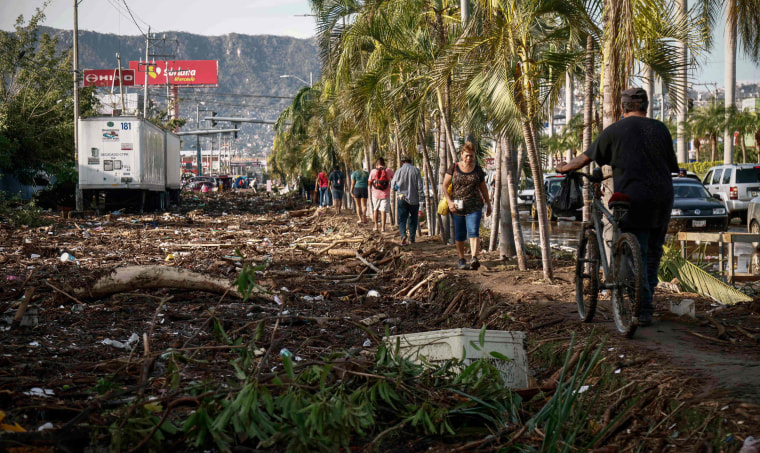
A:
[649,78]
[713,146]
[569,88]
[348,201]
[442,166]
[543,220]
[611,64]
[430,203]
[729,56]
[496,211]
[588,112]
[517,242]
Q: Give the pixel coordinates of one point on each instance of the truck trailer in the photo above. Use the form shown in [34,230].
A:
[126,159]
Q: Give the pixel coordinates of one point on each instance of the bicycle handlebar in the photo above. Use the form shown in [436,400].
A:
[595,176]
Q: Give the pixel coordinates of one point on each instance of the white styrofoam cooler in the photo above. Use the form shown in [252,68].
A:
[442,345]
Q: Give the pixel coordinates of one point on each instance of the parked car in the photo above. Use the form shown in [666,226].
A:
[196,183]
[736,184]
[526,193]
[695,209]
[552,183]
[753,216]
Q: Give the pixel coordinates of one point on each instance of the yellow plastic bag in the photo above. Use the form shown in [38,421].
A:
[443,205]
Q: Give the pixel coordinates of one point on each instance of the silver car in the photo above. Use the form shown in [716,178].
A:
[736,185]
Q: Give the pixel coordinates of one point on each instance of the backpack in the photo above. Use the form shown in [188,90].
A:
[381,183]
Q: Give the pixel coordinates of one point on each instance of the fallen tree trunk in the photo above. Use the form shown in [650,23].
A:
[148,277]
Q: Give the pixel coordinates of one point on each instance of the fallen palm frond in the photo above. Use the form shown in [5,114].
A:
[696,280]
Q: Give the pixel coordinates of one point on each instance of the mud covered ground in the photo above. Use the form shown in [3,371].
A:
[70,363]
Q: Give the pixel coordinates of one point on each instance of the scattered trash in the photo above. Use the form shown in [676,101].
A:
[34,256]
[751,445]
[309,269]
[285,353]
[684,307]
[312,298]
[367,343]
[169,257]
[374,319]
[13,277]
[46,426]
[118,344]
[44,393]
[373,293]
[67,258]
[30,318]
[277,299]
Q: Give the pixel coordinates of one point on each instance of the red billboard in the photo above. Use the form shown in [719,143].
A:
[108,77]
[179,72]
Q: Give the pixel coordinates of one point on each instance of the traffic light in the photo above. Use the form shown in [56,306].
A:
[234,134]
[690,104]
[213,123]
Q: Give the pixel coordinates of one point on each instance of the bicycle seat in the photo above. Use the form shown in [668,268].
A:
[619,200]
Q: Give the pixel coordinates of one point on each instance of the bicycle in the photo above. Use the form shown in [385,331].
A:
[625,278]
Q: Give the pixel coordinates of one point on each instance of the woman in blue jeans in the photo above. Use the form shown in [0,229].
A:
[469,194]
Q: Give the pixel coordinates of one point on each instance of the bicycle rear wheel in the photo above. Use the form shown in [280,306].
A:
[629,288]
[587,272]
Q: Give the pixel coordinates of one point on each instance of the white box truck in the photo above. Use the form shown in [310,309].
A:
[127,159]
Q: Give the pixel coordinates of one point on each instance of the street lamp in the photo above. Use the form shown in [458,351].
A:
[298,78]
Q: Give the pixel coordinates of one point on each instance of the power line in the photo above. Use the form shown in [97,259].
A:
[133,18]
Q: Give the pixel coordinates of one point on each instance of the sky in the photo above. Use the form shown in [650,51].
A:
[251,17]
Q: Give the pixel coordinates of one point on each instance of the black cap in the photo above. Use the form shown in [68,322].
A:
[633,94]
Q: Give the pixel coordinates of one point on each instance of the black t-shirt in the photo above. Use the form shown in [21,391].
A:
[337,178]
[640,151]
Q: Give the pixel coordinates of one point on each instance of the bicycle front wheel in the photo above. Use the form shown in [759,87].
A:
[629,284]
[587,270]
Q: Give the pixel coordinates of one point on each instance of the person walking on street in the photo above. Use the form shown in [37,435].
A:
[640,151]
[322,185]
[337,181]
[359,190]
[410,195]
[469,194]
[380,181]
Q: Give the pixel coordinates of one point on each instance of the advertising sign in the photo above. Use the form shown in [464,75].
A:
[108,77]
[178,72]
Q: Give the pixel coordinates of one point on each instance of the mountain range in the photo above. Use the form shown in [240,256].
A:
[249,79]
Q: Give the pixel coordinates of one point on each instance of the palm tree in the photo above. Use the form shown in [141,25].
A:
[505,63]
[742,21]
[707,122]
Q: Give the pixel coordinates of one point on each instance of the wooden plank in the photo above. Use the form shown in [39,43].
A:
[741,237]
[744,277]
[701,237]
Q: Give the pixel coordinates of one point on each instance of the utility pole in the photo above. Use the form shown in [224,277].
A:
[147,68]
[198,139]
[78,193]
[121,87]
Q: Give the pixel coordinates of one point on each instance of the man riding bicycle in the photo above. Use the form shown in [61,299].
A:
[640,151]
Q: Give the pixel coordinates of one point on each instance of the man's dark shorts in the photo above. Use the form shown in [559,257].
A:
[360,192]
[337,194]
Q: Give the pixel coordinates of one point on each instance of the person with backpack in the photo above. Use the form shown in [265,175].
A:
[380,182]
[337,181]
[359,190]
[322,185]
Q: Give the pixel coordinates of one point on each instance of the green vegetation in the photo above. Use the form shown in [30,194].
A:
[36,103]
